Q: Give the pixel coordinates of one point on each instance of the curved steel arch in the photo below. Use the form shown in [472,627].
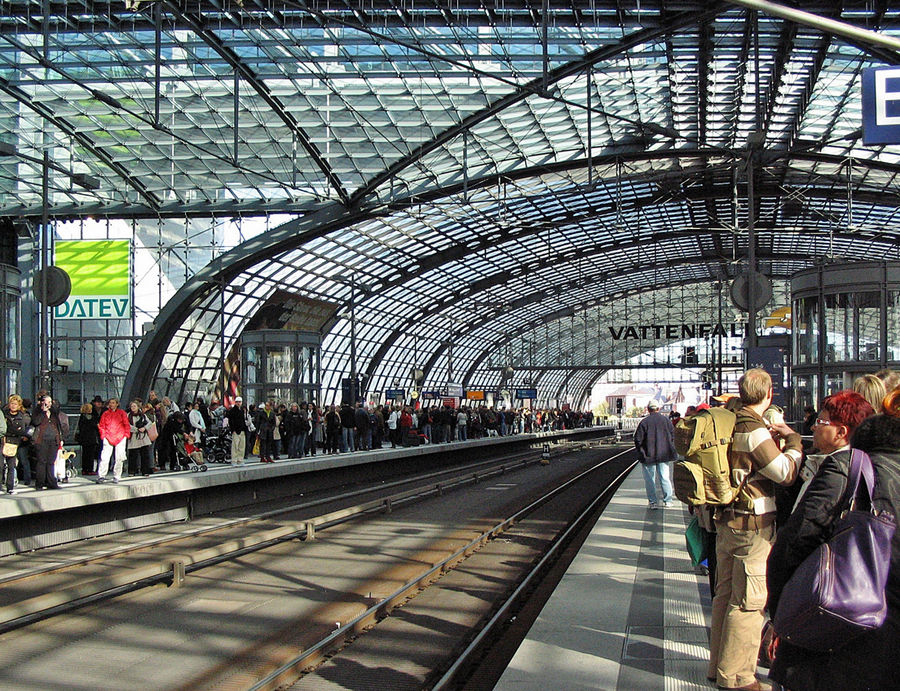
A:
[568,311]
[550,317]
[149,354]
[330,217]
[502,276]
[536,86]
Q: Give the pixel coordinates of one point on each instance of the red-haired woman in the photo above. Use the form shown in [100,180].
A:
[865,662]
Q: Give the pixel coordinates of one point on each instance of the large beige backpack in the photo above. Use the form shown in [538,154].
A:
[704,476]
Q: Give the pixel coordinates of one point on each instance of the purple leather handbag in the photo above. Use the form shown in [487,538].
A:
[837,593]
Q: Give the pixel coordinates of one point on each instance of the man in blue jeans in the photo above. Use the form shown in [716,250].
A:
[654,440]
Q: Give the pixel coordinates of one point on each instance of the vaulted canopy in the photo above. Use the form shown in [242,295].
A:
[485,183]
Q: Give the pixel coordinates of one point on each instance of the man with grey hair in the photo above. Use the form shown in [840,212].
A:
[654,440]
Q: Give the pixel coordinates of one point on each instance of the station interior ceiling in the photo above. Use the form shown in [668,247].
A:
[469,185]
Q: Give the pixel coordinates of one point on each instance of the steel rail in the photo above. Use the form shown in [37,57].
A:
[172,568]
[558,544]
[290,671]
[230,523]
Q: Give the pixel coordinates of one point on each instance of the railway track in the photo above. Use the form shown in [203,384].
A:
[268,537]
[458,668]
[32,593]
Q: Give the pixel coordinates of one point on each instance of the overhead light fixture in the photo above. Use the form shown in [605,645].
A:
[88,182]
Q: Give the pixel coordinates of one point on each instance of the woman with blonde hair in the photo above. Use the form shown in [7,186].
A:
[870,387]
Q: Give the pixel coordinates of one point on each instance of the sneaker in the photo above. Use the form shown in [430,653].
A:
[654,505]
[101,480]
[115,481]
[668,504]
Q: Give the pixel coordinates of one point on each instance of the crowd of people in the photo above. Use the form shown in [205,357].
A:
[157,435]
[788,503]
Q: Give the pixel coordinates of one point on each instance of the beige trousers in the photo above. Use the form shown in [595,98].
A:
[238,446]
[737,612]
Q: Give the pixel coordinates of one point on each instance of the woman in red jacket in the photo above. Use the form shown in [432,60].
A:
[114,431]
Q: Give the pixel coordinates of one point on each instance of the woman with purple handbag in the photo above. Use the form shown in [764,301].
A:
[812,656]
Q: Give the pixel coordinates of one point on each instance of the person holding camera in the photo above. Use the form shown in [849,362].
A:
[48,430]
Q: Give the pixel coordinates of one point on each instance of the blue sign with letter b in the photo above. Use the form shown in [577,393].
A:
[881,105]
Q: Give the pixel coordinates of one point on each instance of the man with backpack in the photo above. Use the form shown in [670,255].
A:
[654,440]
[745,530]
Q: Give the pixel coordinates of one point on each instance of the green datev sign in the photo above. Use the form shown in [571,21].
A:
[101,278]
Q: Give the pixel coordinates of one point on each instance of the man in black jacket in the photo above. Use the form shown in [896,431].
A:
[237,423]
[654,440]
[363,428]
[348,428]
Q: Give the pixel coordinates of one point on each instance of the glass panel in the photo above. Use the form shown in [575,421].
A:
[279,364]
[252,395]
[804,394]
[303,364]
[12,383]
[807,330]
[280,394]
[838,328]
[868,315]
[834,382]
[251,365]
[893,325]
[11,335]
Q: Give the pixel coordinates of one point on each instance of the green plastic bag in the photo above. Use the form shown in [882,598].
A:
[696,544]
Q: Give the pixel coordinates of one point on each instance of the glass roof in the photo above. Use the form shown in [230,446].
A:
[482,171]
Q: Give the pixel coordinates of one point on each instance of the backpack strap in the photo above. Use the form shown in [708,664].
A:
[718,441]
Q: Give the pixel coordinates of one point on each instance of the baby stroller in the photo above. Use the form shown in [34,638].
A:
[218,446]
[189,454]
[64,468]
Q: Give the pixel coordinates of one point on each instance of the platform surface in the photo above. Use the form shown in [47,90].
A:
[630,612]
[79,491]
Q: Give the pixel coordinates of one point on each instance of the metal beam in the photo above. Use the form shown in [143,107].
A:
[850,32]
[70,130]
[536,86]
[149,354]
[213,41]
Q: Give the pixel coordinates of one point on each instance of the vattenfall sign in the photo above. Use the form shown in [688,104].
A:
[646,332]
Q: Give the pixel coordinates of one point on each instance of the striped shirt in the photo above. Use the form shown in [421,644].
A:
[755,455]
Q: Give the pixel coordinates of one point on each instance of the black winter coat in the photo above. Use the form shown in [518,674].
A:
[348,417]
[16,425]
[868,661]
[361,418]
[88,433]
[654,439]
[265,423]
[292,424]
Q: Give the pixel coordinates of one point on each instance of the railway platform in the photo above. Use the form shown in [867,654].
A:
[33,519]
[630,612]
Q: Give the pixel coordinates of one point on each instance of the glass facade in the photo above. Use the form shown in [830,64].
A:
[848,313]
[805,392]
[853,326]
[893,325]
[407,171]
[10,332]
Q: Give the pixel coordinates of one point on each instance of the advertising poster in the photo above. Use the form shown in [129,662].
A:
[101,278]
